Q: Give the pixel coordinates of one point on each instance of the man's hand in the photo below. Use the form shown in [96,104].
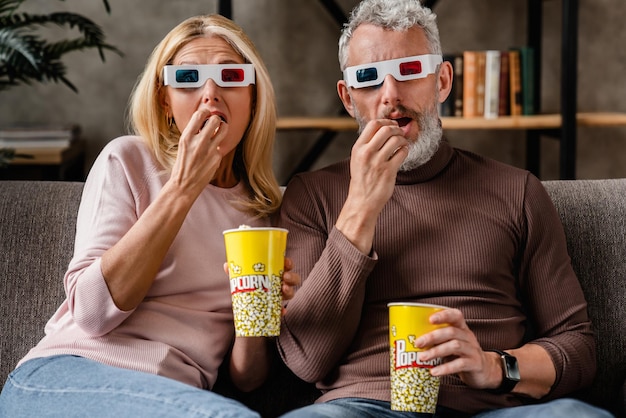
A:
[462,355]
[376,156]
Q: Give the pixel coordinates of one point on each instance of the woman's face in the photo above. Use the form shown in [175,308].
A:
[232,104]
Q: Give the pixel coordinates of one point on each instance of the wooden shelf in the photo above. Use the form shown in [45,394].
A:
[339,123]
[601,119]
[548,121]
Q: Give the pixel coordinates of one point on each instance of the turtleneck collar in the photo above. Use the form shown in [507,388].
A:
[427,171]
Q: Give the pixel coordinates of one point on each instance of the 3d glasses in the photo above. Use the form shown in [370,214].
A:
[194,76]
[402,69]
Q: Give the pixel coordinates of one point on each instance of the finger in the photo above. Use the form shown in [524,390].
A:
[453,317]
[400,153]
[204,123]
[288,292]
[211,126]
[388,142]
[388,136]
[288,264]
[373,127]
[217,130]
[452,366]
[291,279]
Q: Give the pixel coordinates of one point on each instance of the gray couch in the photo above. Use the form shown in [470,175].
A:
[36,240]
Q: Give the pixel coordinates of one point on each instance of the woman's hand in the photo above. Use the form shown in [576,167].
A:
[199,154]
[291,280]
[250,358]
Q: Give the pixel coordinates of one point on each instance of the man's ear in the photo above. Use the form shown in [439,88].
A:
[344,95]
[445,80]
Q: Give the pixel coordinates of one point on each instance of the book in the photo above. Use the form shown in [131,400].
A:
[469,83]
[39,133]
[22,143]
[515,83]
[504,107]
[32,136]
[458,80]
[481,59]
[527,65]
[492,84]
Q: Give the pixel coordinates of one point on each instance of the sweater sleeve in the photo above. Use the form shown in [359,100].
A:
[553,295]
[322,318]
[106,213]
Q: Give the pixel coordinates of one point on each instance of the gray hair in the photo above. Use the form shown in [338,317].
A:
[397,15]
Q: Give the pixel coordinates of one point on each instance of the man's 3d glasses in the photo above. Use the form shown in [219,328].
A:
[194,76]
[402,69]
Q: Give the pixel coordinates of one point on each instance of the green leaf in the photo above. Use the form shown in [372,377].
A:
[25,56]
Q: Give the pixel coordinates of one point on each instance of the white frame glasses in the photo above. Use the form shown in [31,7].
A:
[194,76]
[402,69]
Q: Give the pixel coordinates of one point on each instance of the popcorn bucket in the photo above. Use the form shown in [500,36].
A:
[256,258]
[413,388]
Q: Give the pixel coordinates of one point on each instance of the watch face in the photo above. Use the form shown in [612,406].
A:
[511,369]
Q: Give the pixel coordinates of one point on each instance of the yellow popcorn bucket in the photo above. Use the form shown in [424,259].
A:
[413,388]
[256,261]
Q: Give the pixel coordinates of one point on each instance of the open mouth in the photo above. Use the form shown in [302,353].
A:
[402,122]
[207,120]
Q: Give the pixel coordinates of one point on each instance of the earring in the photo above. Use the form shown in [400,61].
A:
[169,120]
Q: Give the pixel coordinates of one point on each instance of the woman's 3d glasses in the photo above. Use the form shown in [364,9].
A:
[402,69]
[194,76]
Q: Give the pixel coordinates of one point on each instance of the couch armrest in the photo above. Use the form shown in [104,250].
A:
[36,243]
[593,213]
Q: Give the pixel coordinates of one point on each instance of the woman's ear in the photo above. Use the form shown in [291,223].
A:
[344,94]
[164,101]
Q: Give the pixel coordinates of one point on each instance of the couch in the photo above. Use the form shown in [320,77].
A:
[37,226]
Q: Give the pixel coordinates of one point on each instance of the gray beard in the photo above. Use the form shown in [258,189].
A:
[422,148]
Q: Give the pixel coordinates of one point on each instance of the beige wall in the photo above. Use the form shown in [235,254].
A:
[298,40]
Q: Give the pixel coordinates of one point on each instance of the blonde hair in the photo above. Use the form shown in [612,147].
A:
[253,156]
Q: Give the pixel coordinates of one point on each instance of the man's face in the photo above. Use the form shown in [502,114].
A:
[412,103]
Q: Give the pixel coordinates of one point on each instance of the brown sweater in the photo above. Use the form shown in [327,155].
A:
[461,231]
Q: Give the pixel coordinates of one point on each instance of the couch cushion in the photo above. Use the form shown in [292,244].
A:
[34,215]
[593,213]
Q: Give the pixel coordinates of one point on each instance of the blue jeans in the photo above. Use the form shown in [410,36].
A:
[369,408]
[70,386]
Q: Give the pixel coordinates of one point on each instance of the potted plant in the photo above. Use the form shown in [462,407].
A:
[26,56]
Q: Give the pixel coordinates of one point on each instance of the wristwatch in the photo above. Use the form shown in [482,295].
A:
[510,373]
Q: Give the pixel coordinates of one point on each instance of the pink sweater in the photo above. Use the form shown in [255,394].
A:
[461,231]
[184,327]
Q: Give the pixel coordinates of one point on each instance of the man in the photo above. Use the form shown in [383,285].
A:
[409,218]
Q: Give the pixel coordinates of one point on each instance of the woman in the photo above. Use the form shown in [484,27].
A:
[148,320]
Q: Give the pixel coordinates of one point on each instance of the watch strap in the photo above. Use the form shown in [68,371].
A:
[508,383]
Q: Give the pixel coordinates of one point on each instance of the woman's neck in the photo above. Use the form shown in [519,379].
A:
[225,176]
